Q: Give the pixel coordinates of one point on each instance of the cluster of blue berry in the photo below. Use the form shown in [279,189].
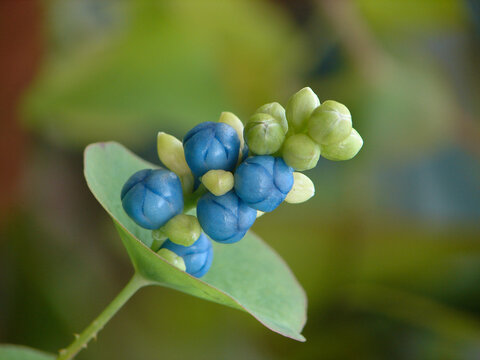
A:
[233,174]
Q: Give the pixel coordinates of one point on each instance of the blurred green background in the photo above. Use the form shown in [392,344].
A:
[388,250]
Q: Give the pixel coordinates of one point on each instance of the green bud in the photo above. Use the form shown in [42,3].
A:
[345,149]
[264,134]
[330,123]
[218,182]
[277,111]
[159,238]
[171,154]
[172,258]
[299,108]
[302,190]
[300,152]
[182,229]
[232,120]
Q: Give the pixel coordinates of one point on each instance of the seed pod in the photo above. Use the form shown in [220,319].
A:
[302,190]
[170,153]
[300,152]
[182,229]
[300,107]
[343,150]
[264,134]
[330,123]
[210,146]
[225,218]
[218,182]
[197,257]
[277,111]
[152,197]
[172,258]
[263,182]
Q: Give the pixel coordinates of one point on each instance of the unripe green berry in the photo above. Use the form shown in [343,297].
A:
[330,123]
[171,154]
[302,190]
[231,119]
[218,182]
[172,258]
[264,134]
[300,107]
[300,152]
[182,229]
[345,149]
[277,111]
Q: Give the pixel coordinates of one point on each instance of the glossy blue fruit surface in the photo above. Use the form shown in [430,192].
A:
[225,218]
[198,257]
[245,151]
[263,182]
[211,146]
[152,197]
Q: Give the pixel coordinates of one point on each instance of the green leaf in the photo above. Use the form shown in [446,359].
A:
[16,352]
[247,275]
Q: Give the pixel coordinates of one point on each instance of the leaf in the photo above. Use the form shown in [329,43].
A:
[247,275]
[17,352]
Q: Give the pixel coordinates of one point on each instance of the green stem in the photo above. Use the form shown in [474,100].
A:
[190,201]
[81,341]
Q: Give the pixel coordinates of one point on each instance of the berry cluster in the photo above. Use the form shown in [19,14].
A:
[233,174]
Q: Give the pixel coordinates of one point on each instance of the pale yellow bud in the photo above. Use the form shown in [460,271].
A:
[182,229]
[300,107]
[171,154]
[345,149]
[231,119]
[302,190]
[172,258]
[218,182]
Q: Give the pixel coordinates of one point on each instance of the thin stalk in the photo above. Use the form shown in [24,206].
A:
[191,200]
[81,341]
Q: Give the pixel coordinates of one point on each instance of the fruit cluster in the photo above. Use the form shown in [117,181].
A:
[232,174]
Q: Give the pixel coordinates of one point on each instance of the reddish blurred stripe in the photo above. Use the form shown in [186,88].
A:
[20,48]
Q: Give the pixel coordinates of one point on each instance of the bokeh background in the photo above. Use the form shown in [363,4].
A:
[388,250]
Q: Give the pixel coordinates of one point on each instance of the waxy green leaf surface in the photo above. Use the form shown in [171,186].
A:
[16,352]
[248,275]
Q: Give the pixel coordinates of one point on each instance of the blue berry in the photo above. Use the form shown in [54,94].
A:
[245,151]
[225,218]
[211,146]
[263,182]
[198,257]
[152,197]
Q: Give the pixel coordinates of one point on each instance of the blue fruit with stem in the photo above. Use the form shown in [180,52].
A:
[198,257]
[211,146]
[152,197]
[263,182]
[225,218]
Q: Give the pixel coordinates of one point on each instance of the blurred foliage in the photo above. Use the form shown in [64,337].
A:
[172,62]
[392,18]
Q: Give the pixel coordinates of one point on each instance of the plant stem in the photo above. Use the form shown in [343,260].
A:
[81,341]
[191,201]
